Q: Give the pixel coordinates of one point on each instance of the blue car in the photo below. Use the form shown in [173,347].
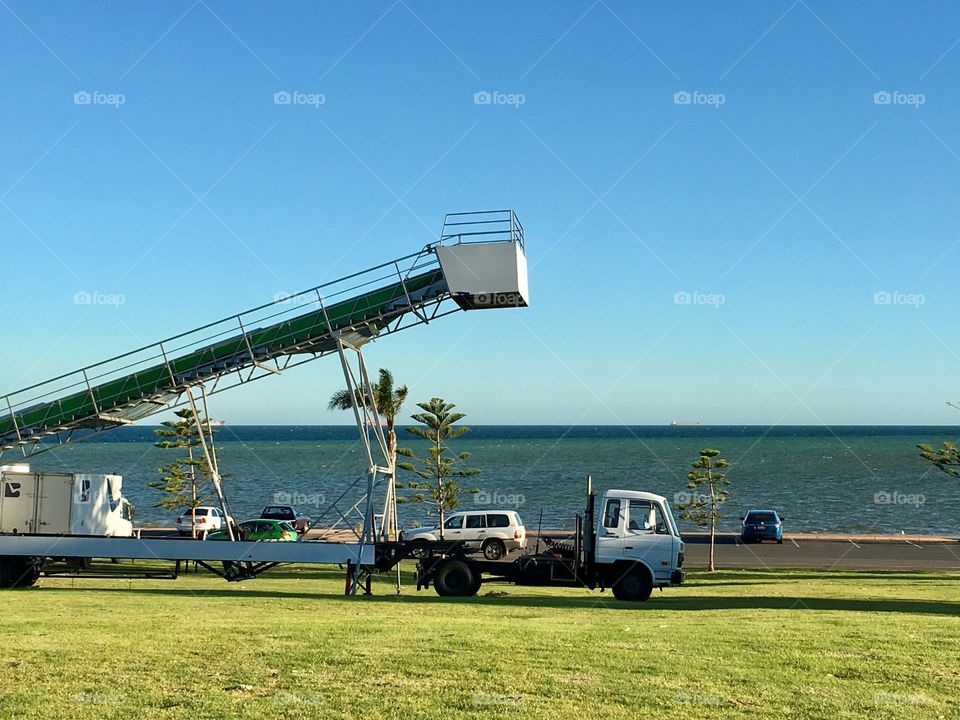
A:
[760,525]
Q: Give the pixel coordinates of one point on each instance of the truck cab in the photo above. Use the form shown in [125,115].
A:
[639,527]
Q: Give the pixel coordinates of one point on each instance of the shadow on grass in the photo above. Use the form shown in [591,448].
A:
[604,601]
[701,578]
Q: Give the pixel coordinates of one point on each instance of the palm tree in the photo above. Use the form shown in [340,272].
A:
[389,400]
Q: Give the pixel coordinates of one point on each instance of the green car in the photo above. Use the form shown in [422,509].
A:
[270,530]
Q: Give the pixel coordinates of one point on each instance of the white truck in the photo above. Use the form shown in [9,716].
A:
[633,547]
[53,503]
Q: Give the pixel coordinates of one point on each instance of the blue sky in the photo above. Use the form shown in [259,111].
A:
[803,201]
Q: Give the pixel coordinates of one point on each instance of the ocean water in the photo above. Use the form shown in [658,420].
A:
[842,479]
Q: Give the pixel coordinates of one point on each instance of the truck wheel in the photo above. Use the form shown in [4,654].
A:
[18,572]
[493,549]
[454,578]
[29,574]
[636,585]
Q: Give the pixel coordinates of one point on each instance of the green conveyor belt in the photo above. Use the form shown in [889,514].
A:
[147,391]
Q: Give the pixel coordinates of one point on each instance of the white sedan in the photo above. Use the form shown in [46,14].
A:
[208,519]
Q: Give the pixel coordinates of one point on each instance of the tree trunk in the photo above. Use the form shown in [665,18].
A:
[391,522]
[713,530]
[440,502]
[392,445]
[713,521]
[193,495]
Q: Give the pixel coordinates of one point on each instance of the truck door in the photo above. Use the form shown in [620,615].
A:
[649,537]
[610,533]
[54,503]
[18,502]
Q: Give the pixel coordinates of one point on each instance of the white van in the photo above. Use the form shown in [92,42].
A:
[48,503]
[493,532]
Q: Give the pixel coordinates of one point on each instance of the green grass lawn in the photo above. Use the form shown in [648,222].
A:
[793,644]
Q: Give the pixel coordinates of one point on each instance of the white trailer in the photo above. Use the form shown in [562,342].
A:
[46,503]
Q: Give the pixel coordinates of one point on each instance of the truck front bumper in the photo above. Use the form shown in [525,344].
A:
[677,577]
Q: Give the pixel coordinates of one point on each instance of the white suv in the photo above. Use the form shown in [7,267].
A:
[493,532]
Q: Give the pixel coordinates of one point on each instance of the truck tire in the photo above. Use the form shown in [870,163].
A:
[493,549]
[454,578]
[18,572]
[635,585]
[29,575]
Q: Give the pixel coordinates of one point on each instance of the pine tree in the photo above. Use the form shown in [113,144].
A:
[184,481]
[704,509]
[440,470]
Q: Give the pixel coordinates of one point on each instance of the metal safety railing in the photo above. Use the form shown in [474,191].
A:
[482,226]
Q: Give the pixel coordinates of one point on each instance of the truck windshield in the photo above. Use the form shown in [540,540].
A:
[674,528]
[647,516]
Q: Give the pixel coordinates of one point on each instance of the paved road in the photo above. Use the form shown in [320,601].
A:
[851,553]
